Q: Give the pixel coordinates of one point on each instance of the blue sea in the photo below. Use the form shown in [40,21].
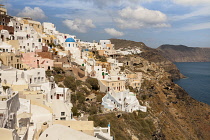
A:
[197,83]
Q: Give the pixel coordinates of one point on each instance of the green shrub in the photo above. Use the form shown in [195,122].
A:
[58,70]
[48,73]
[58,78]
[75,111]
[99,98]
[78,82]
[85,90]
[93,110]
[73,98]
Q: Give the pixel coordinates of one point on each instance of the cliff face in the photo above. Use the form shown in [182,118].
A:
[180,53]
[172,113]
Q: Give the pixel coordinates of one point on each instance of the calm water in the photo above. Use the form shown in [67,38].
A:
[197,83]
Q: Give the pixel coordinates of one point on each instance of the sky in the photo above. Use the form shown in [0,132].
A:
[154,22]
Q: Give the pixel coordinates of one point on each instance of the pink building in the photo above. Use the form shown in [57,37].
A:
[33,60]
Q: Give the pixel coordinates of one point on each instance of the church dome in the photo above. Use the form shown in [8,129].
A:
[70,40]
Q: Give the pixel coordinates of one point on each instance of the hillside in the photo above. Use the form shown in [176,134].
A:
[180,53]
[172,113]
[151,55]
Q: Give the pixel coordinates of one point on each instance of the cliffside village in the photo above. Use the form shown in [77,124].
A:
[32,105]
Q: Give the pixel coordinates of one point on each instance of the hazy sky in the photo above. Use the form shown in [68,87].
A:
[154,22]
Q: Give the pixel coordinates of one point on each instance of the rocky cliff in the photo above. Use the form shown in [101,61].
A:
[172,114]
[180,53]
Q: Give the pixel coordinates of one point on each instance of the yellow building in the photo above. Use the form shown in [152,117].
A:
[10,59]
[116,83]
[35,24]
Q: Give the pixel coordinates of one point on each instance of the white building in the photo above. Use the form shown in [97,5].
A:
[4,35]
[122,101]
[29,45]
[12,76]
[104,43]
[4,47]
[49,28]
[61,110]
[14,22]
[9,105]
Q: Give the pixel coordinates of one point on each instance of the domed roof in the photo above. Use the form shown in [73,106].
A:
[70,40]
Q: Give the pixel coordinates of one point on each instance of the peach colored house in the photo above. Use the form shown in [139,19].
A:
[34,61]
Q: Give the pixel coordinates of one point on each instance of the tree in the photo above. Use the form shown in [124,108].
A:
[80,97]
[93,82]
[70,83]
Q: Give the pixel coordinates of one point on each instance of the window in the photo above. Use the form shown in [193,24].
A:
[63,118]
[17,60]
[62,113]
[11,57]
[38,73]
